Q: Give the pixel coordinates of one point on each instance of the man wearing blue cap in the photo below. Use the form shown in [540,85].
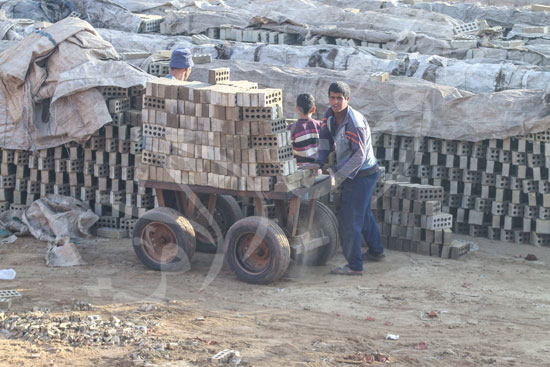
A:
[181,63]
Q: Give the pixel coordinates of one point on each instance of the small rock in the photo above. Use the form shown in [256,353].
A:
[148,308]
[421,346]
[432,315]
[171,345]
[450,352]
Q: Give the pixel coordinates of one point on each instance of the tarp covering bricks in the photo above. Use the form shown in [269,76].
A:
[409,106]
[48,93]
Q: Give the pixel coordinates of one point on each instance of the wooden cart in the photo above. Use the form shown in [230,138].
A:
[256,248]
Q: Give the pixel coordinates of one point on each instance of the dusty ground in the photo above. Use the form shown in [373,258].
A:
[492,309]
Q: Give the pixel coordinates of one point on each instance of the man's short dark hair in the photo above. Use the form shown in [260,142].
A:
[305,103]
[340,87]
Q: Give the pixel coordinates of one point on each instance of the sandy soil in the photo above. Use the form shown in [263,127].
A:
[490,308]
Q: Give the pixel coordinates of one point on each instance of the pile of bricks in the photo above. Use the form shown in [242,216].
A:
[251,35]
[280,38]
[150,23]
[99,172]
[223,134]
[411,219]
[497,188]
[161,68]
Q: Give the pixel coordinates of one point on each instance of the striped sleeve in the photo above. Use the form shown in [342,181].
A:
[326,142]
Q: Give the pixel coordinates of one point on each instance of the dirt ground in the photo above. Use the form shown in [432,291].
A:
[489,308]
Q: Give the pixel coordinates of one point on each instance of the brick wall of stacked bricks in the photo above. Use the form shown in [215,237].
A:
[411,219]
[99,172]
[496,188]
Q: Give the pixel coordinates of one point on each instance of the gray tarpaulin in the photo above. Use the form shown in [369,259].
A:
[100,13]
[477,76]
[494,15]
[22,9]
[306,14]
[152,6]
[107,14]
[55,216]
[48,93]
[406,106]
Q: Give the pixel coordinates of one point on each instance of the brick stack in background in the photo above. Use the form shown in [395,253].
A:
[109,164]
[161,68]
[497,188]
[149,23]
[223,134]
[99,172]
[411,219]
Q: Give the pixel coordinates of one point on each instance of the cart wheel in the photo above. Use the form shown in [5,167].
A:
[324,224]
[226,213]
[257,250]
[164,240]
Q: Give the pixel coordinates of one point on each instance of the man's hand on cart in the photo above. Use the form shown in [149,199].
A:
[332,179]
[335,180]
[315,167]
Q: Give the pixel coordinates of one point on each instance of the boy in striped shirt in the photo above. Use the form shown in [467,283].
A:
[305,132]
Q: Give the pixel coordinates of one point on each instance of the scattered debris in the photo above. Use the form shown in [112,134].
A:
[63,253]
[9,293]
[148,308]
[75,330]
[427,316]
[421,346]
[392,337]
[83,306]
[466,285]
[5,303]
[10,239]
[388,323]
[364,288]
[7,274]
[370,318]
[531,257]
[364,357]
[432,315]
[228,356]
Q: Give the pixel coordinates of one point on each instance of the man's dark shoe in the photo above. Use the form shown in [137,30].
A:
[368,256]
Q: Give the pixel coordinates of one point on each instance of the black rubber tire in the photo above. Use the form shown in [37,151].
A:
[272,237]
[226,213]
[324,223]
[171,221]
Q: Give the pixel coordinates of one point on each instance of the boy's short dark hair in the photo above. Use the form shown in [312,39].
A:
[305,103]
[340,87]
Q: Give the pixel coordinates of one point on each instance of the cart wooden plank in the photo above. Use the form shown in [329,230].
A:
[320,188]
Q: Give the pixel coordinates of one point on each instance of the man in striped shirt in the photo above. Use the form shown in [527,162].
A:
[305,132]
